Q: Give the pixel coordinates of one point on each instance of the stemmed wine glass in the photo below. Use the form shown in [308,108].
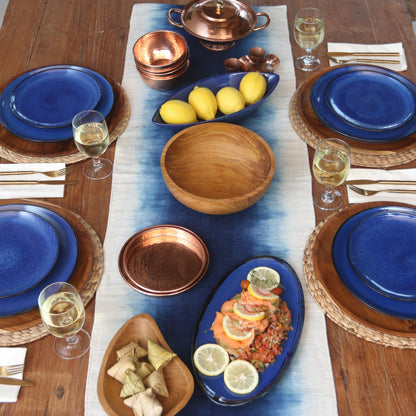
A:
[63,314]
[331,164]
[309,33]
[92,139]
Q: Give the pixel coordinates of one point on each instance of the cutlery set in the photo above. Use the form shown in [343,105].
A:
[51,174]
[10,370]
[334,57]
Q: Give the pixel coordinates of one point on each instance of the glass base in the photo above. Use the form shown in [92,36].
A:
[97,169]
[328,203]
[308,63]
[73,347]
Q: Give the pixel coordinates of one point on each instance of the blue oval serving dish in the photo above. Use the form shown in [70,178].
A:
[215,83]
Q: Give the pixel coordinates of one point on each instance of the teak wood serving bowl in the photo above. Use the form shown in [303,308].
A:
[217,168]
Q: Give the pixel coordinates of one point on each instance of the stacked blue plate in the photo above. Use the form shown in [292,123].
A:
[374,255]
[366,103]
[37,247]
[40,104]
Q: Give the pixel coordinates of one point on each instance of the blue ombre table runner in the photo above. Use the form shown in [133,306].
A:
[278,225]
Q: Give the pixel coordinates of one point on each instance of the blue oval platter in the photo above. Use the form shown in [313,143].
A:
[215,83]
[214,387]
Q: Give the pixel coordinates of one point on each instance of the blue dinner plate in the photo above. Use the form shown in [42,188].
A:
[215,83]
[62,270]
[214,387]
[366,103]
[37,134]
[373,284]
[28,250]
[52,97]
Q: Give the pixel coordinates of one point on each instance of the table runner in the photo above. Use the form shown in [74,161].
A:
[277,225]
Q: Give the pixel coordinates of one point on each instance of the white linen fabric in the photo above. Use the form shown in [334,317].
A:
[11,356]
[307,387]
[388,47]
[30,191]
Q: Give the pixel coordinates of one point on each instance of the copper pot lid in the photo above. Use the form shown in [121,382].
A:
[218,20]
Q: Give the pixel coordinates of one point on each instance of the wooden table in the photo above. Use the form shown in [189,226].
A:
[370,379]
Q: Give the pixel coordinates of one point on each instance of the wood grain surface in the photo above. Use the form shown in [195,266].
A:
[370,379]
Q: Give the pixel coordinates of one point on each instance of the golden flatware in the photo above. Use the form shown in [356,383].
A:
[15,382]
[367,61]
[369,192]
[8,370]
[336,54]
[378,182]
[50,173]
[38,182]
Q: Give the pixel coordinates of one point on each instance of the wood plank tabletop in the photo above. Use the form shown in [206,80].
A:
[370,379]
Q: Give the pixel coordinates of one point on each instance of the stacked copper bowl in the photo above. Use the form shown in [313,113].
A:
[162,58]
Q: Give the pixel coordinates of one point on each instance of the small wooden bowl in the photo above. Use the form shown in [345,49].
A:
[217,168]
[179,380]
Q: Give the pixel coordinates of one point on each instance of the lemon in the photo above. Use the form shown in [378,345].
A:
[241,377]
[264,277]
[242,312]
[253,87]
[232,332]
[260,293]
[177,112]
[203,101]
[211,359]
[230,100]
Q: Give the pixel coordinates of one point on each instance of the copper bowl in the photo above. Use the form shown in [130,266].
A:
[217,168]
[160,50]
[218,23]
[169,71]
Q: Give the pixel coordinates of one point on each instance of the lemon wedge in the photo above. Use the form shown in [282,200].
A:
[264,277]
[244,313]
[232,332]
[211,359]
[260,293]
[241,377]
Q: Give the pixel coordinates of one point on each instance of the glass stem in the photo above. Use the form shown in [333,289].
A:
[96,161]
[328,195]
[73,339]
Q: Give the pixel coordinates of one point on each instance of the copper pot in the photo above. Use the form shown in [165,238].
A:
[218,23]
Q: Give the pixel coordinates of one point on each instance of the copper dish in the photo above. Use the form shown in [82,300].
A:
[179,380]
[163,260]
[218,23]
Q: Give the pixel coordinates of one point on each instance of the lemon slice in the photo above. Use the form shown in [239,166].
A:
[244,313]
[211,359]
[264,277]
[232,332]
[241,377]
[260,293]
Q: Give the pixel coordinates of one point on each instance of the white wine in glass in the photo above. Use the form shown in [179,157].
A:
[63,315]
[309,33]
[92,139]
[331,165]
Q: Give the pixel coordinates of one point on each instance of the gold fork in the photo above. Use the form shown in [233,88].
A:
[50,173]
[10,370]
[368,192]
[363,60]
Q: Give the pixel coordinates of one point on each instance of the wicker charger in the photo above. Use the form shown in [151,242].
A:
[27,327]
[311,130]
[19,150]
[334,298]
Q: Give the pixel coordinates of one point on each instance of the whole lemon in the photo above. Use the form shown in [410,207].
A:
[253,87]
[203,101]
[230,100]
[177,112]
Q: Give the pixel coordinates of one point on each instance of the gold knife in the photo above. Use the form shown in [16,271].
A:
[381,182]
[60,182]
[335,54]
[15,381]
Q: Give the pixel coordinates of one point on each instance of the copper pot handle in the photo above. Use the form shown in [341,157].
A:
[171,21]
[266,24]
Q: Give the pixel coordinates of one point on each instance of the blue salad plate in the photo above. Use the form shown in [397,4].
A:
[214,387]
[366,103]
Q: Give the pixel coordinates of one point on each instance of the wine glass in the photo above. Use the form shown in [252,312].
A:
[331,164]
[63,314]
[309,33]
[92,139]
